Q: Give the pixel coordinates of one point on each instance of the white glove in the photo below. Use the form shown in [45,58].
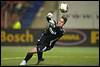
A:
[50,15]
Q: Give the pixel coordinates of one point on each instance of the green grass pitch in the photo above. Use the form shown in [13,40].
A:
[58,56]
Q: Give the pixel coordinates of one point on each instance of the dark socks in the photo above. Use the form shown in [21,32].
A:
[39,55]
[28,56]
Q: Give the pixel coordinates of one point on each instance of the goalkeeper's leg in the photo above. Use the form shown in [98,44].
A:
[29,55]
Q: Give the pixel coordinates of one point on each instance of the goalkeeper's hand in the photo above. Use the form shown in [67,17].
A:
[50,14]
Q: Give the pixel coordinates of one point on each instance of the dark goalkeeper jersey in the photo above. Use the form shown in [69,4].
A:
[52,28]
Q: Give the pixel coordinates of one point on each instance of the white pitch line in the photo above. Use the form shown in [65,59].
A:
[12,58]
[15,58]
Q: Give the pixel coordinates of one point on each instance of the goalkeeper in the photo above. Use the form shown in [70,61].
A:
[48,38]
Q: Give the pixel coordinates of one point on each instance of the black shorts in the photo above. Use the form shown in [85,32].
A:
[47,41]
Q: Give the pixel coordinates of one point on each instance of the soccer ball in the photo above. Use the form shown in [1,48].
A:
[63,7]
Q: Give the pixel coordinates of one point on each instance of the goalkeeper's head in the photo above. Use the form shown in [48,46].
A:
[62,21]
[65,18]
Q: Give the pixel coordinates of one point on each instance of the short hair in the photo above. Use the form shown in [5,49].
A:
[65,18]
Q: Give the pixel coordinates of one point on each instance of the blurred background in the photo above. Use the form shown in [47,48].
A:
[22,23]
[31,14]
[83,20]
